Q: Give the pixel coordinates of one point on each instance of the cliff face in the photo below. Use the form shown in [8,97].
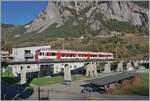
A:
[58,12]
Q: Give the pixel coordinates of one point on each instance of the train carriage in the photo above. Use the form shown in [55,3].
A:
[68,55]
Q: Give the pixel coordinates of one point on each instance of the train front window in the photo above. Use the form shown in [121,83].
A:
[48,54]
[40,53]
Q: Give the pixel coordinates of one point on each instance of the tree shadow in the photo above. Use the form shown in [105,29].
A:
[44,98]
[146,65]
[11,80]
[10,87]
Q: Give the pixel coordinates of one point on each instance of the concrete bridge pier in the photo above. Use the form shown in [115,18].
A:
[145,61]
[67,73]
[94,69]
[129,66]
[23,75]
[141,62]
[120,66]
[3,69]
[91,69]
[107,68]
[136,63]
[88,69]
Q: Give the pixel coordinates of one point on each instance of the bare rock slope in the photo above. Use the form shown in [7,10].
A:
[58,12]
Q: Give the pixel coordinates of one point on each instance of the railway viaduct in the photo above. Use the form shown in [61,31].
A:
[91,65]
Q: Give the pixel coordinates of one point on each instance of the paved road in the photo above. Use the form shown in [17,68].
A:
[9,91]
[66,95]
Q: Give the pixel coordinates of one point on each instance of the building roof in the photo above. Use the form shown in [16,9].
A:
[34,46]
[111,79]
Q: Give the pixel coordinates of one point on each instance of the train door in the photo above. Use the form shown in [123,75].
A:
[58,56]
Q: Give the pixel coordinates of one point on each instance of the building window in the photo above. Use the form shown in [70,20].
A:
[21,67]
[41,65]
[27,51]
[75,67]
[28,66]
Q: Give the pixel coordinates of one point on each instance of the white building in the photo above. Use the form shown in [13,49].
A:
[24,53]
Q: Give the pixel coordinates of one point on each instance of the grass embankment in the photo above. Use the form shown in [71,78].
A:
[47,80]
[8,76]
[141,87]
[7,73]
[53,80]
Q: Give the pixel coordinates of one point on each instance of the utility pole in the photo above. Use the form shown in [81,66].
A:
[116,52]
[116,45]
[38,69]
[39,93]
[63,44]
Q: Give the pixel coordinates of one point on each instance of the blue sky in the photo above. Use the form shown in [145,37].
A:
[20,12]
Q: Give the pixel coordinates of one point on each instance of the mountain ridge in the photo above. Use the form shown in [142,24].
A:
[59,12]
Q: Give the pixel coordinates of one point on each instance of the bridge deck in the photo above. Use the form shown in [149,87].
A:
[60,61]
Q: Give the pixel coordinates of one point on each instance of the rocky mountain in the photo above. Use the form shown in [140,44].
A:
[91,14]
[86,26]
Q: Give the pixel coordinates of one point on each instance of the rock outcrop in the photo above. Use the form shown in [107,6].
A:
[59,11]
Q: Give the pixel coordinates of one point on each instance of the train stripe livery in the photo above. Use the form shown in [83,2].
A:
[68,54]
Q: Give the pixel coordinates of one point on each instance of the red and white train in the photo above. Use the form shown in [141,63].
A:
[68,54]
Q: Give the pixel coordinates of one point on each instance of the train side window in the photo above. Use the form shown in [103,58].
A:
[63,55]
[53,54]
[66,55]
[70,55]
